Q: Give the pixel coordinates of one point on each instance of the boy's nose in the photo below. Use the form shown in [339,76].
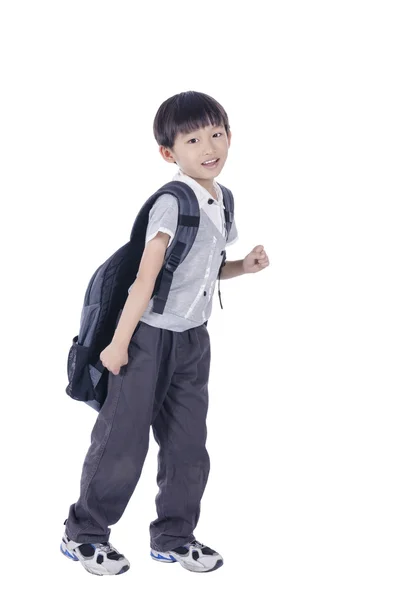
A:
[209,151]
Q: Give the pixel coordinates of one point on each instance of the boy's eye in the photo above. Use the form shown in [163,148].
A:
[194,140]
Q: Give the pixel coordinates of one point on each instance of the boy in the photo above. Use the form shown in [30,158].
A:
[159,363]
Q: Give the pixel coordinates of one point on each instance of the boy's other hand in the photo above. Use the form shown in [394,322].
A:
[113,357]
[256,260]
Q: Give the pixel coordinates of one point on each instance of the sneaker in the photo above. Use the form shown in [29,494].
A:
[98,559]
[193,557]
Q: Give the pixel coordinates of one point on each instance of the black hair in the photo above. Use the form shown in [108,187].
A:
[184,113]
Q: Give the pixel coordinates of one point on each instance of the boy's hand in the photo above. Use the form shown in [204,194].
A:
[256,260]
[114,357]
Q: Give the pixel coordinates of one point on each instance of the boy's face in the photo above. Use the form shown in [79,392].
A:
[200,154]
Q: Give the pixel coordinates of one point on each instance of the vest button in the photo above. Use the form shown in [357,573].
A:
[211,201]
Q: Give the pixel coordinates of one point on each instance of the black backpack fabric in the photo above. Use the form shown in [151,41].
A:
[107,290]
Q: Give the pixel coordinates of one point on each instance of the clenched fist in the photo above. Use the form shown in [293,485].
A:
[114,357]
[256,260]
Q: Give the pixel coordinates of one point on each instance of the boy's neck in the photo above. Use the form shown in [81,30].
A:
[207,184]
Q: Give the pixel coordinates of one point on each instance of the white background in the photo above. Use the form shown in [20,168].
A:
[301,499]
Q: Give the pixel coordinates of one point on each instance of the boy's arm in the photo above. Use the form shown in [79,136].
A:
[232,268]
[142,289]
[254,262]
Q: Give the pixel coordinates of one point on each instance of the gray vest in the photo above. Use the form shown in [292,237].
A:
[190,298]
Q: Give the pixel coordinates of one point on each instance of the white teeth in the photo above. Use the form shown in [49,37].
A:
[209,162]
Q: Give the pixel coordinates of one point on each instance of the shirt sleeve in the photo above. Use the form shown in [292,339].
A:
[163,217]
[233,235]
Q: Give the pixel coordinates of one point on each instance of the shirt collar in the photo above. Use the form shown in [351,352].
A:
[202,194]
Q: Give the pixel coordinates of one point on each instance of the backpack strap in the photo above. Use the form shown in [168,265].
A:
[185,235]
[229,209]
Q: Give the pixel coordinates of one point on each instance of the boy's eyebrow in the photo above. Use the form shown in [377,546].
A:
[196,130]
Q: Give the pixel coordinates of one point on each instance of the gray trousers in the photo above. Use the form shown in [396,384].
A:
[164,385]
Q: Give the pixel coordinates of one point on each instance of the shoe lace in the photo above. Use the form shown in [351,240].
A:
[105,547]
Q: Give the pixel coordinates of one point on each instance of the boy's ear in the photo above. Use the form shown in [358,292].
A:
[229,136]
[166,153]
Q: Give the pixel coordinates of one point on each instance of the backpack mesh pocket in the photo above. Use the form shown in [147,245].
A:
[80,385]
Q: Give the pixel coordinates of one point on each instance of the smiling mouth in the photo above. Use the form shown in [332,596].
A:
[210,163]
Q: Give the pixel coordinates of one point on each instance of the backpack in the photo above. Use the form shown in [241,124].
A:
[108,288]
